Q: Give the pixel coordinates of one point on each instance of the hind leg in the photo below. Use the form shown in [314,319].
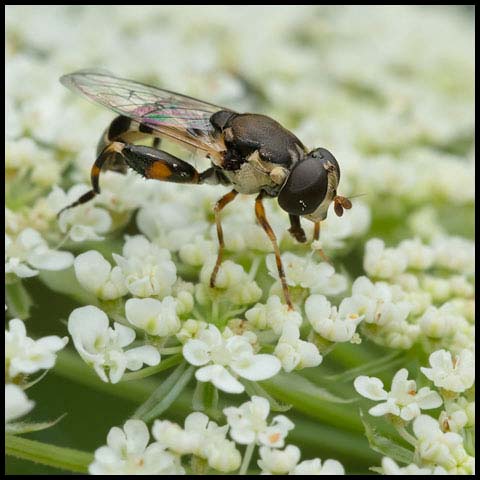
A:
[151,164]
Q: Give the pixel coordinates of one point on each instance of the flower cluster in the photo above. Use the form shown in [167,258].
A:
[25,356]
[438,442]
[128,450]
[395,272]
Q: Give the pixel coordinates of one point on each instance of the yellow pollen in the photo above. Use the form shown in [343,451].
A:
[412,392]
[274,437]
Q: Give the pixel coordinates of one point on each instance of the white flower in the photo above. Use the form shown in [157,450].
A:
[378,302]
[275,461]
[419,256]
[122,192]
[248,424]
[201,437]
[96,275]
[334,326]
[458,415]
[438,288]
[456,375]
[191,329]
[403,400]
[453,422]
[198,252]
[399,334]
[443,449]
[28,250]
[17,403]
[127,453]
[461,287]
[212,443]
[274,314]
[214,353]
[232,283]
[24,355]
[148,269]
[303,272]
[381,262]
[84,222]
[295,353]
[390,467]
[102,346]
[440,322]
[154,316]
[315,467]
[454,253]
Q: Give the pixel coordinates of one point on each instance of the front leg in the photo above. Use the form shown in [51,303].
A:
[296,229]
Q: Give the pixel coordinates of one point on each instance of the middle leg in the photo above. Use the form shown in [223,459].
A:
[219,206]
[262,219]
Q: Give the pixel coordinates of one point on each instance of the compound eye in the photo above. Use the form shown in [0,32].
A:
[306,186]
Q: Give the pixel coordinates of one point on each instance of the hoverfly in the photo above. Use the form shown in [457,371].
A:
[253,153]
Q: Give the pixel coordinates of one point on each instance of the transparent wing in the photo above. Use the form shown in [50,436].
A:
[181,118]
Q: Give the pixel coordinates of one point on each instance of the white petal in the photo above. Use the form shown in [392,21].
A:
[51,260]
[427,398]
[220,377]
[410,412]
[117,364]
[260,367]
[124,335]
[87,325]
[384,408]
[196,352]
[242,435]
[116,439]
[317,307]
[92,270]
[425,426]
[196,422]
[332,467]
[143,313]
[17,403]
[147,354]
[399,380]
[370,387]
[137,436]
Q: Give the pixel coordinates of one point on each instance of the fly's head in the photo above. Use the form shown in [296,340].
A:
[312,185]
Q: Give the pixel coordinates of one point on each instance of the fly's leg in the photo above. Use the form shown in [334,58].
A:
[316,236]
[262,219]
[105,155]
[222,203]
[121,131]
[296,229]
[150,163]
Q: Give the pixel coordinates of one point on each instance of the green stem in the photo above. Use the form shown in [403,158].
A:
[408,437]
[148,371]
[170,350]
[165,394]
[46,454]
[246,459]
